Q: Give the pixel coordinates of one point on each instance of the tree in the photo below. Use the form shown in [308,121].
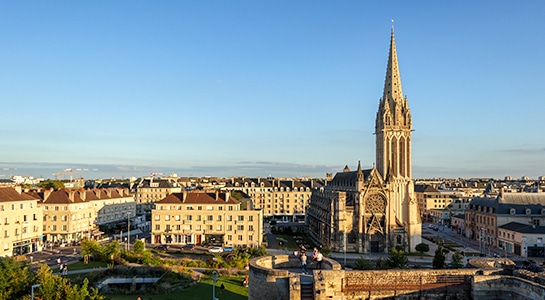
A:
[138,247]
[456,262]
[362,264]
[398,258]
[422,247]
[439,258]
[48,184]
[55,287]
[15,278]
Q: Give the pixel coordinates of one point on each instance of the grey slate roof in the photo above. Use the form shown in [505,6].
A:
[523,228]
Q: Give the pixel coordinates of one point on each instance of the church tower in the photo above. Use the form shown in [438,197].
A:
[393,131]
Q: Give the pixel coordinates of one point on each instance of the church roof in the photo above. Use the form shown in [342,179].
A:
[350,176]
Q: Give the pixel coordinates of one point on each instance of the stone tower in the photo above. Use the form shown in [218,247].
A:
[393,131]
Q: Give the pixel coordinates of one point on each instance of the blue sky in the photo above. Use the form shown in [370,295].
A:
[258,88]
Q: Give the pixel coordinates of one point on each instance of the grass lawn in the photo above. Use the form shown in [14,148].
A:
[203,290]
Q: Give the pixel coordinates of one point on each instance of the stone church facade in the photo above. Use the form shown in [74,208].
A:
[373,210]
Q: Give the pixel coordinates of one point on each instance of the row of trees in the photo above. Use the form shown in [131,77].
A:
[16,280]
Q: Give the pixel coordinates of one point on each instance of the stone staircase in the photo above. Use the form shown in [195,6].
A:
[307,291]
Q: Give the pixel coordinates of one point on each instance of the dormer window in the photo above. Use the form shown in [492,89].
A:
[512,211]
[528,211]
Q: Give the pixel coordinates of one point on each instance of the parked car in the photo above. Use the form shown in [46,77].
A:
[228,249]
[189,247]
[216,250]
[161,247]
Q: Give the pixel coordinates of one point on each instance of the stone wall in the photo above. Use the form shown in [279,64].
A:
[402,284]
[270,279]
[505,287]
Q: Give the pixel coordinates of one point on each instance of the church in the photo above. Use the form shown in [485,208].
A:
[373,210]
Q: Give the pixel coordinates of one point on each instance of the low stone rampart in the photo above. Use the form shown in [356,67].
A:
[271,279]
[505,287]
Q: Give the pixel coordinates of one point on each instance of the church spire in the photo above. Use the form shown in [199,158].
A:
[393,125]
[392,84]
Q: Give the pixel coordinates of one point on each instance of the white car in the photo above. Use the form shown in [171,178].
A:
[216,250]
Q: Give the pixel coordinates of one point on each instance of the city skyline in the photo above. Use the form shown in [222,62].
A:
[258,89]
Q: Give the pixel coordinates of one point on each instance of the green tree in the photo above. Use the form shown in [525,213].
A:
[422,247]
[53,287]
[15,278]
[138,247]
[439,258]
[456,262]
[48,184]
[382,264]
[363,264]
[397,258]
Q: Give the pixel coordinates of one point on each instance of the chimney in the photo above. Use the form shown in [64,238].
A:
[71,195]
[83,194]
[109,193]
[217,195]
[19,190]
[227,195]
[184,195]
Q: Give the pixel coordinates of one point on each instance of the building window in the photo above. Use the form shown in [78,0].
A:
[157,227]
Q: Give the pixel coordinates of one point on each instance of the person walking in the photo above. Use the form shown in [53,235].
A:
[319,258]
[304,262]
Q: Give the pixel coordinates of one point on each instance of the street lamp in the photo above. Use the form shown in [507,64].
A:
[214,279]
[32,290]
[128,229]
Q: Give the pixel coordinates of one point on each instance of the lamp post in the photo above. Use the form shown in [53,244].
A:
[128,229]
[214,279]
[32,290]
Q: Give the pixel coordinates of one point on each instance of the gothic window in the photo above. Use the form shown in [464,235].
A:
[375,204]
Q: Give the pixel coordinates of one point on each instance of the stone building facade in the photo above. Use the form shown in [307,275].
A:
[281,199]
[72,215]
[20,222]
[486,214]
[200,217]
[374,210]
[150,190]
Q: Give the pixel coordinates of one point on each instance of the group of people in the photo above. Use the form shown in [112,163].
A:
[63,268]
[317,257]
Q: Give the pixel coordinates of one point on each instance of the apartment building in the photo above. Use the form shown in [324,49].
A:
[486,214]
[71,215]
[151,190]
[439,205]
[20,222]
[212,218]
[281,199]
